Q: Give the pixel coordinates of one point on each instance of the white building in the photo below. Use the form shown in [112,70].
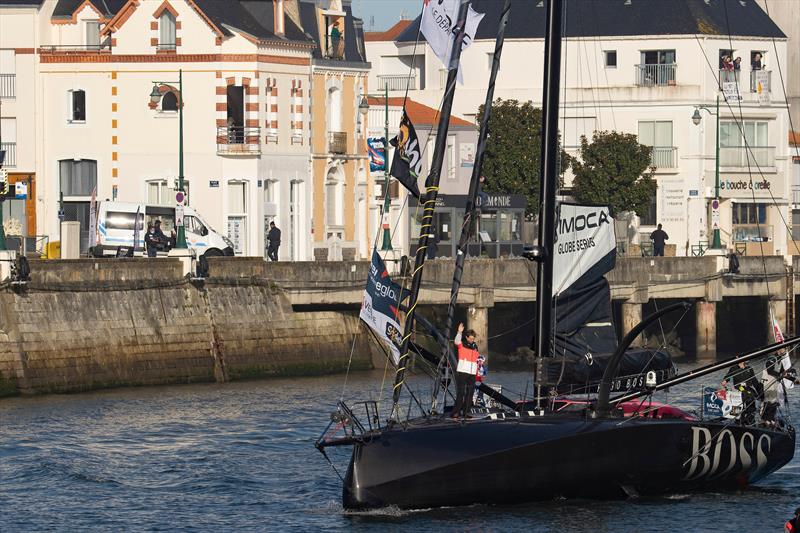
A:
[642,67]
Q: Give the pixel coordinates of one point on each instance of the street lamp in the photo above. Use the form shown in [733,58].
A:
[716,243]
[155,96]
[363,108]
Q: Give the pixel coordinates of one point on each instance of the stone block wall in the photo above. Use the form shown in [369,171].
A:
[94,323]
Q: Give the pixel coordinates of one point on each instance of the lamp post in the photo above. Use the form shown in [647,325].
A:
[363,108]
[155,96]
[716,242]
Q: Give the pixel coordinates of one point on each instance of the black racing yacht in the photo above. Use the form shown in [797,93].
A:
[610,443]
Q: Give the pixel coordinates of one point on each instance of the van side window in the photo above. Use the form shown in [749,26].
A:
[122,220]
[194,225]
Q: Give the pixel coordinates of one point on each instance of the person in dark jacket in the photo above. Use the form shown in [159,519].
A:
[150,240]
[743,378]
[274,238]
[793,524]
[659,237]
[161,239]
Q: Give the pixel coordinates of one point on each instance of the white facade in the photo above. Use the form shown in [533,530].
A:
[86,109]
[624,92]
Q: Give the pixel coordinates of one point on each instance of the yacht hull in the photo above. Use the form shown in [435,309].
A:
[447,463]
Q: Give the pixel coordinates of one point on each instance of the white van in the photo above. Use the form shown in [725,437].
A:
[115,229]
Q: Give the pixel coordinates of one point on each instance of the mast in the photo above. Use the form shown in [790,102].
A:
[547,189]
[469,211]
[431,191]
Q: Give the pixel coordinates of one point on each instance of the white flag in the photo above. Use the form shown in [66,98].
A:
[438,19]
[786,362]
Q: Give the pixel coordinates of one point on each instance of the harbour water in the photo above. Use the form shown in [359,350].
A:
[240,457]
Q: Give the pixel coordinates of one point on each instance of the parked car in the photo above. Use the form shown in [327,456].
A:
[116,229]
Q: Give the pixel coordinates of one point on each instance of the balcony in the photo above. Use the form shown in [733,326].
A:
[656,75]
[397,82]
[337,142]
[664,157]
[747,156]
[238,141]
[728,76]
[8,85]
[763,76]
[11,154]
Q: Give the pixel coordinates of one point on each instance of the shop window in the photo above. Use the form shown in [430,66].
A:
[750,222]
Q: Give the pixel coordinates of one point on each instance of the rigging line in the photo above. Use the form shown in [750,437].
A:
[741,132]
[605,70]
[413,57]
[349,363]
[783,85]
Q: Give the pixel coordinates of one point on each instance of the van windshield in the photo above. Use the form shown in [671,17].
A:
[124,221]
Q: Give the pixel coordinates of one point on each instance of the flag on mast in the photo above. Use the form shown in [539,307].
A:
[407,160]
[786,361]
[438,20]
[379,306]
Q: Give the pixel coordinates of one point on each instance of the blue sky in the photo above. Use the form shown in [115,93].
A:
[386,12]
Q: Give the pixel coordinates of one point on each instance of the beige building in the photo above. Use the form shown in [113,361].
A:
[339,157]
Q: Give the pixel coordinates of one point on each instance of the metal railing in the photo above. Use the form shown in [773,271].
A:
[767,86]
[337,142]
[238,140]
[728,76]
[398,82]
[656,75]
[11,154]
[29,245]
[105,46]
[8,85]
[664,157]
[747,156]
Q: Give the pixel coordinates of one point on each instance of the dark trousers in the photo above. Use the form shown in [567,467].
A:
[272,251]
[465,385]
[658,250]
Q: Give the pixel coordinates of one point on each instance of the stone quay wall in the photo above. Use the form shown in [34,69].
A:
[95,323]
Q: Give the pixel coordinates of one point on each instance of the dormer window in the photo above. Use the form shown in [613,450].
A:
[166,27]
[92,34]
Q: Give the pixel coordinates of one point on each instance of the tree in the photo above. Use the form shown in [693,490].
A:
[513,150]
[614,170]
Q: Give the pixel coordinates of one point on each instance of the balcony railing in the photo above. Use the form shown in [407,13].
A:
[664,157]
[8,85]
[335,49]
[11,154]
[728,76]
[337,142]
[398,82]
[747,156]
[171,47]
[656,75]
[766,80]
[105,46]
[238,141]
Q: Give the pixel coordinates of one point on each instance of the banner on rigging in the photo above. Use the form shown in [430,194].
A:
[786,361]
[407,160]
[377,153]
[438,20]
[379,308]
[584,241]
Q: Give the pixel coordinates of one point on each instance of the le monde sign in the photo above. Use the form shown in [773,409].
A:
[759,186]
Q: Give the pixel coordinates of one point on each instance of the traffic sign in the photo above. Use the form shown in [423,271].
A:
[178,215]
[180,196]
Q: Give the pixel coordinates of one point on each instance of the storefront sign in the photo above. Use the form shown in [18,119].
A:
[493,201]
[764,186]
[672,201]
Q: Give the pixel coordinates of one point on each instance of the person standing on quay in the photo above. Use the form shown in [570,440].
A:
[274,238]
[659,237]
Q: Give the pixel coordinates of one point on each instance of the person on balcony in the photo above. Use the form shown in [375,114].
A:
[336,39]
[755,64]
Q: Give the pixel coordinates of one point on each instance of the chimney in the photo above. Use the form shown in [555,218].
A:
[280,20]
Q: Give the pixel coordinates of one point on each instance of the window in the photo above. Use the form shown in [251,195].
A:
[92,34]
[757,60]
[657,68]
[334,199]
[78,178]
[747,146]
[123,220]
[796,225]
[648,218]
[749,222]
[169,102]
[489,60]
[77,105]
[657,134]
[158,193]
[237,215]
[8,76]
[450,158]
[193,225]
[611,58]
[8,142]
[166,29]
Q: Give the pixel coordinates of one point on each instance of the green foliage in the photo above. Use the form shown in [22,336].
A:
[614,169]
[513,150]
